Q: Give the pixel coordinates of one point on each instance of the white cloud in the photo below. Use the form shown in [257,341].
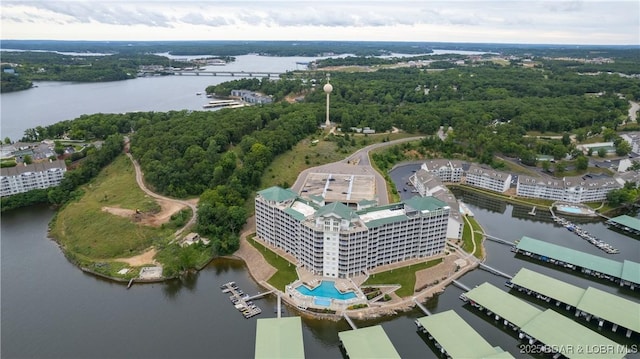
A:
[579,22]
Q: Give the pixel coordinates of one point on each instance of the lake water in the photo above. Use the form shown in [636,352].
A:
[52,309]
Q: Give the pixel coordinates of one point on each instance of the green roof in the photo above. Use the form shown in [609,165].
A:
[277,194]
[503,304]
[448,329]
[571,256]
[316,197]
[570,338]
[631,271]
[548,286]
[425,203]
[610,307]
[382,221]
[337,208]
[365,343]
[295,214]
[279,338]
[627,221]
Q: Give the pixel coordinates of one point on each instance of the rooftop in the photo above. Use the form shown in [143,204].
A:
[612,308]
[627,221]
[503,304]
[571,256]
[365,343]
[548,286]
[557,331]
[279,338]
[631,271]
[277,194]
[449,329]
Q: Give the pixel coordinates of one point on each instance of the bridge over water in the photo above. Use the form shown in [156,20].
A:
[258,74]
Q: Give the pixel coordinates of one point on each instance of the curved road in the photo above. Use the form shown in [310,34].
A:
[155,195]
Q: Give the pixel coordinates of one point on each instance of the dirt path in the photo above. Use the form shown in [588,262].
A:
[169,202]
[140,260]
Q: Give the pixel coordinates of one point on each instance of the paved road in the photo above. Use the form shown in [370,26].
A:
[139,179]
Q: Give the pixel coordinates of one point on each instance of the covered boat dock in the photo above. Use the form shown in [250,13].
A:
[626,223]
[596,266]
[364,343]
[448,330]
[557,334]
[279,338]
[589,303]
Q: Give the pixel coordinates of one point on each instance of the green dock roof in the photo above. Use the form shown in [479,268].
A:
[448,329]
[610,307]
[627,221]
[631,272]
[279,338]
[548,286]
[277,194]
[571,256]
[570,338]
[365,343]
[503,304]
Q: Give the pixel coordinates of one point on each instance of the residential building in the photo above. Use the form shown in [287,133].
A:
[490,179]
[428,184]
[334,240]
[568,189]
[446,170]
[633,138]
[23,178]
[251,97]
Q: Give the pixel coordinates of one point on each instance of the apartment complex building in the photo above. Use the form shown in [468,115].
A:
[334,240]
[569,189]
[446,170]
[23,178]
[429,184]
[490,179]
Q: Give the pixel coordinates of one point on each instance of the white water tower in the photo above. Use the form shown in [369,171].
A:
[327,89]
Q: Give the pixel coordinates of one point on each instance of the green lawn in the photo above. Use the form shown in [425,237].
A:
[286,271]
[405,277]
[89,234]
[477,238]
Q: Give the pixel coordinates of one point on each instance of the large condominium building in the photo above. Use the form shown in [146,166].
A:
[488,179]
[446,170]
[428,184]
[333,240]
[569,189]
[633,138]
[23,178]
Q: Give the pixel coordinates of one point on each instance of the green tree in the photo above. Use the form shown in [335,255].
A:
[7,141]
[602,152]
[582,163]
[28,160]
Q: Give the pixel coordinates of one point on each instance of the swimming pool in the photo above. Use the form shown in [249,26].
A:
[569,209]
[326,289]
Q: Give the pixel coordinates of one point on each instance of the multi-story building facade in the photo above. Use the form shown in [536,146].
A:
[568,189]
[446,170]
[488,179]
[428,184]
[23,178]
[334,240]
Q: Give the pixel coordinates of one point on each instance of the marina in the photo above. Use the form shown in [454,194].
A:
[548,330]
[224,104]
[240,300]
[590,303]
[626,223]
[625,273]
[367,343]
[279,338]
[586,235]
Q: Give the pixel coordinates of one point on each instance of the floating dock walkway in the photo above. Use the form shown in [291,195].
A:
[448,330]
[240,300]
[557,334]
[460,285]
[259,295]
[606,247]
[626,273]
[496,239]
[422,307]
[590,303]
[494,271]
[351,323]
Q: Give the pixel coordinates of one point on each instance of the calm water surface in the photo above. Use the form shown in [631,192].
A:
[51,309]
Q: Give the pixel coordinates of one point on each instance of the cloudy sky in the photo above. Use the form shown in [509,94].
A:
[504,21]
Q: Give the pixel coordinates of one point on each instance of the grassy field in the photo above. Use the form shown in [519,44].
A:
[286,273]
[405,277]
[88,233]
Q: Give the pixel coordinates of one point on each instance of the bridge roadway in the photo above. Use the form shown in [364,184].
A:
[229,73]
